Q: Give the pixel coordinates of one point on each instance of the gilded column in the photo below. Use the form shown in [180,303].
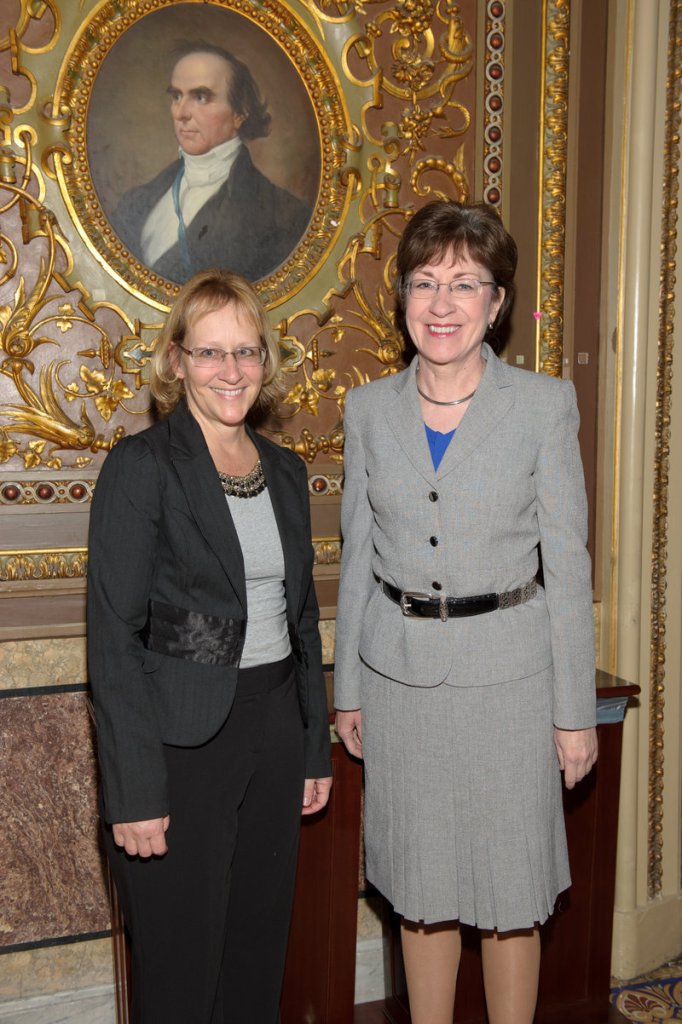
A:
[633,329]
[645,928]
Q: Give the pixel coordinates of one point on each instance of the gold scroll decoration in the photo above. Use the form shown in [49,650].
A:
[77,327]
[418,53]
[552,185]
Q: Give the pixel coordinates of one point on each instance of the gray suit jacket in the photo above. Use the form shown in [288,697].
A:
[167,607]
[510,485]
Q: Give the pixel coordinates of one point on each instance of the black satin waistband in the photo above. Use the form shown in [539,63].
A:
[263,678]
[180,633]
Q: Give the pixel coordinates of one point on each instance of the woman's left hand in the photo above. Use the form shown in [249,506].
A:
[577,752]
[315,794]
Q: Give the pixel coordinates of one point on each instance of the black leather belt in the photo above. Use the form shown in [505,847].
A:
[423,606]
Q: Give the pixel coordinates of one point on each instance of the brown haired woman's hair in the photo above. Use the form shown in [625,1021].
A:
[204,293]
[448,229]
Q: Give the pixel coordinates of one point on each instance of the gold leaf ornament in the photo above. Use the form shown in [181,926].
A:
[107,403]
[8,448]
[32,457]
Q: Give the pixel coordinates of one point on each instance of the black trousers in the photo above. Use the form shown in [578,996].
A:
[209,921]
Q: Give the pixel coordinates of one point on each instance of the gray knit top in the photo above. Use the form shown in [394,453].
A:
[267,636]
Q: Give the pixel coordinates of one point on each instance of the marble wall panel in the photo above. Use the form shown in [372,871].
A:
[47,969]
[328,637]
[53,882]
[370,917]
[32,663]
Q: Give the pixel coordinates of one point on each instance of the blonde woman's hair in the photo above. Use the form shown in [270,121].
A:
[204,293]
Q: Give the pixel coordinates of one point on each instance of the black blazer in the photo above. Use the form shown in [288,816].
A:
[250,225]
[167,607]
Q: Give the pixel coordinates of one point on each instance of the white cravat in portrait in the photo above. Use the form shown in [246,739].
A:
[202,177]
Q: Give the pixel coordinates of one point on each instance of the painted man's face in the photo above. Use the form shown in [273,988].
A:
[202,114]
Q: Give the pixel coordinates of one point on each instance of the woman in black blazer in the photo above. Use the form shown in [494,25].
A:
[206,672]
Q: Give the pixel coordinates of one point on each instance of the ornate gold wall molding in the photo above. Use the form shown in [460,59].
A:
[327,551]
[43,564]
[552,185]
[45,490]
[394,98]
[417,52]
[325,484]
[78,365]
[493,116]
[662,453]
[41,313]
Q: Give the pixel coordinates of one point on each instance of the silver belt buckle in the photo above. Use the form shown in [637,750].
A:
[406,597]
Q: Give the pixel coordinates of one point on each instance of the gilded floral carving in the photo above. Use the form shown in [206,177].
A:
[76,364]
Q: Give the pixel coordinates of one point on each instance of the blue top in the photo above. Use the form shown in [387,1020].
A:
[438,444]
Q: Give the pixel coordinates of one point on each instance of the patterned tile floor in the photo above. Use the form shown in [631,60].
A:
[653,998]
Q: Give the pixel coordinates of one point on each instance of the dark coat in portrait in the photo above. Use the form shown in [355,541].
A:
[249,226]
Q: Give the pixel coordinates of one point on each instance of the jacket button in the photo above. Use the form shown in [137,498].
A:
[436,585]
[433,541]
[433,496]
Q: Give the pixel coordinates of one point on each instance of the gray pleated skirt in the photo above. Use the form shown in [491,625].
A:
[463,810]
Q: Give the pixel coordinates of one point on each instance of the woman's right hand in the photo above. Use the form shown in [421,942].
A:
[349,729]
[142,838]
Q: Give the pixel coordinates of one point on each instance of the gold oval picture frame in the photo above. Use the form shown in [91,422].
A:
[114,81]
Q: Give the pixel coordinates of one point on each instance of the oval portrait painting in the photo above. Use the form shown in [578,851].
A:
[203,145]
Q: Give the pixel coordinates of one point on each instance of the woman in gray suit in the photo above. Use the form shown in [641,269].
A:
[464,683]
[206,670]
